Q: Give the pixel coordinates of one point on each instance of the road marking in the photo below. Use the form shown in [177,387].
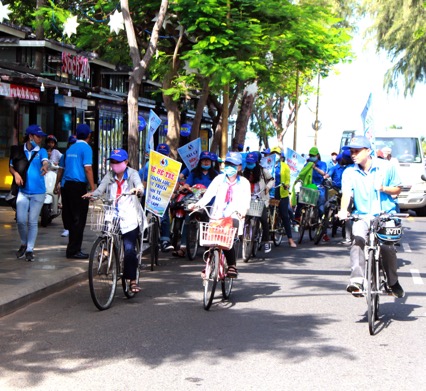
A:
[406,247]
[417,279]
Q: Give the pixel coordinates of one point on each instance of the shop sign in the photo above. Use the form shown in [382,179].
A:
[71,101]
[4,89]
[185,130]
[22,92]
[76,66]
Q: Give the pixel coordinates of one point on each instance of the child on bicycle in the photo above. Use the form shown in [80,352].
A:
[232,198]
[261,181]
[123,179]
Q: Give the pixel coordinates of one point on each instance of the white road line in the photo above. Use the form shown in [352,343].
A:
[415,274]
[406,247]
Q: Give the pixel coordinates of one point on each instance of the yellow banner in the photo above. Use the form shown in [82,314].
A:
[163,173]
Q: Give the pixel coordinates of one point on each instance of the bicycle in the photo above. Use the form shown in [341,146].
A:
[217,238]
[252,233]
[383,229]
[276,229]
[107,255]
[153,229]
[309,212]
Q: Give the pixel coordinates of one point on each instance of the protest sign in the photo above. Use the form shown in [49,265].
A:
[190,153]
[296,162]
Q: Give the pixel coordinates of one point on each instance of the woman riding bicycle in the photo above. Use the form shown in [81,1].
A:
[232,196]
[261,181]
[123,179]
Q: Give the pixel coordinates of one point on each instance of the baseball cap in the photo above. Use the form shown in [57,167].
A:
[82,131]
[313,151]
[240,147]
[266,151]
[358,142]
[276,150]
[163,148]
[213,156]
[120,155]
[251,157]
[206,155]
[72,139]
[35,130]
[234,158]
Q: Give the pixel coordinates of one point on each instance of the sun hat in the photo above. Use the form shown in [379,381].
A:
[358,142]
[35,130]
[234,158]
[119,155]
[163,148]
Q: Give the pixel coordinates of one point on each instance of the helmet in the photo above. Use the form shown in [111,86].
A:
[51,137]
[390,231]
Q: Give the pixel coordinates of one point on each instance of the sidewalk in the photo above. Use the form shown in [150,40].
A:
[22,282]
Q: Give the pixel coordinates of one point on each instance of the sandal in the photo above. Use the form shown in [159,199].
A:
[135,288]
[179,253]
[232,272]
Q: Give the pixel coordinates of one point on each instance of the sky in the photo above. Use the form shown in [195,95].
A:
[343,96]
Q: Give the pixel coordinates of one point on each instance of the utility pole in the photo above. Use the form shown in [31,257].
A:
[317,124]
[296,113]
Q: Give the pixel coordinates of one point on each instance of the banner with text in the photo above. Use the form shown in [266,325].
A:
[190,153]
[163,173]
[154,121]
[296,162]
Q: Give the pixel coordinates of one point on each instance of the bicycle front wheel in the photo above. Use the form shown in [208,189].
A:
[210,278]
[226,285]
[153,242]
[103,272]
[247,246]
[192,239]
[257,236]
[126,283]
[372,292]
[302,226]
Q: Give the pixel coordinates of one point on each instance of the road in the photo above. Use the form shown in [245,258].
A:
[290,325]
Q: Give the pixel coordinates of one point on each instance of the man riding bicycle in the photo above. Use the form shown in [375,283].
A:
[371,182]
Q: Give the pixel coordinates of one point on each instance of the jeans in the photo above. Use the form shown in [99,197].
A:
[359,235]
[165,226]
[28,207]
[284,213]
[130,256]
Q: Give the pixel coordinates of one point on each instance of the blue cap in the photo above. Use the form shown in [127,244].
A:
[214,157]
[72,139]
[163,148]
[206,155]
[120,155]
[358,142]
[234,158]
[266,151]
[35,130]
[240,147]
[252,157]
[83,131]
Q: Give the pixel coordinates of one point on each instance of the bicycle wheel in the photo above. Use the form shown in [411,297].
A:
[322,226]
[192,239]
[153,241]
[313,221]
[226,281]
[257,236]
[277,229]
[302,226]
[247,245]
[103,272]
[176,232]
[210,279]
[372,293]
[126,283]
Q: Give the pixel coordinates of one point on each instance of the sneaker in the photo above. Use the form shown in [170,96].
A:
[267,248]
[166,246]
[21,252]
[397,290]
[29,256]
[325,238]
[65,233]
[355,288]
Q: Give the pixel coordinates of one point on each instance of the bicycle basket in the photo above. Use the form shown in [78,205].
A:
[390,231]
[256,208]
[212,234]
[274,202]
[103,218]
[308,196]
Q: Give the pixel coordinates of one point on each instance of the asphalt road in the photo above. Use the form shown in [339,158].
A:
[290,325]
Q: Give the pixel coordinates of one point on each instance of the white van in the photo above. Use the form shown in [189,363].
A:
[407,149]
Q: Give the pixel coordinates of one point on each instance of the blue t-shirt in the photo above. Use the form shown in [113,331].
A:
[317,178]
[78,156]
[362,186]
[335,173]
[34,183]
[143,172]
[204,180]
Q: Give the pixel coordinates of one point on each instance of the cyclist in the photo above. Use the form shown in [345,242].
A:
[232,195]
[123,179]
[261,181]
[371,182]
[203,174]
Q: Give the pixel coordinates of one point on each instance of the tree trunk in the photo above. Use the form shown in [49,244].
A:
[39,53]
[243,118]
[173,113]
[196,124]
[139,69]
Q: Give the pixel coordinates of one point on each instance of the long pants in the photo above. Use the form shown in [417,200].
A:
[359,235]
[28,207]
[130,257]
[265,225]
[284,213]
[74,209]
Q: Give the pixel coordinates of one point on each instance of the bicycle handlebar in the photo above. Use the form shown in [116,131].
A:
[207,212]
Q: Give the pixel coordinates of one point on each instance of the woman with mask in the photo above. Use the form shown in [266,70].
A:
[232,199]
[123,179]
[261,181]
[32,188]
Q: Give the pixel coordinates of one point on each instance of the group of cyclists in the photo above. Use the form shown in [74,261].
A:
[367,182]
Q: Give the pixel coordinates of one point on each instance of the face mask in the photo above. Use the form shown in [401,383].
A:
[205,167]
[312,159]
[118,168]
[33,143]
[230,171]
[250,166]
